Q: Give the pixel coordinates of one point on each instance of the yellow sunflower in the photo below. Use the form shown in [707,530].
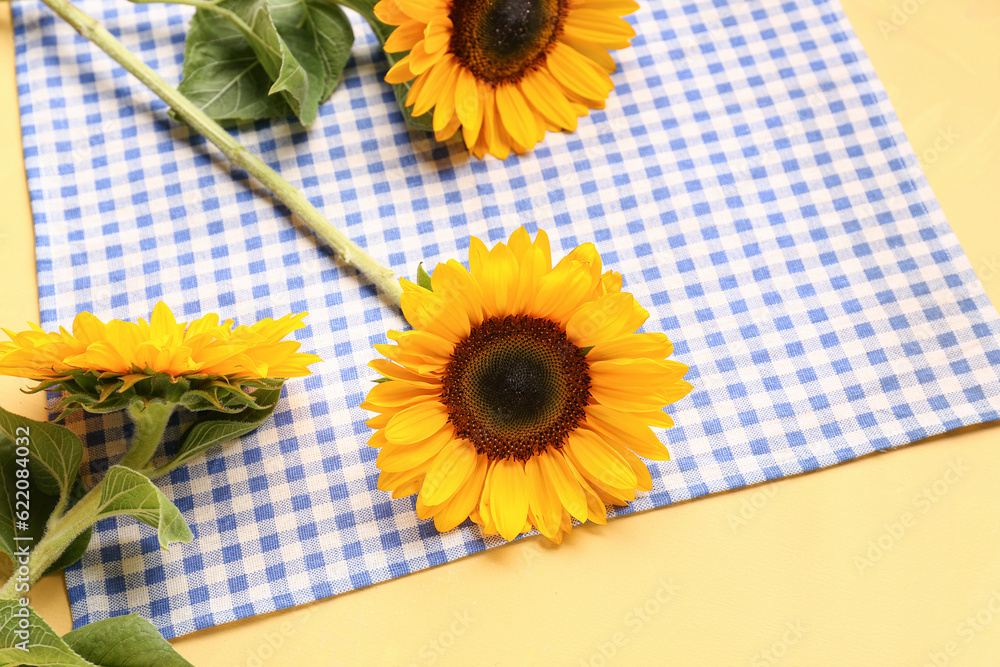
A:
[522,397]
[163,345]
[104,366]
[505,71]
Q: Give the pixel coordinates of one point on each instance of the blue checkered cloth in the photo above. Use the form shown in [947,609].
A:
[748,177]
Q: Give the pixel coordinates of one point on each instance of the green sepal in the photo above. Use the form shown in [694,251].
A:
[109,392]
[424,278]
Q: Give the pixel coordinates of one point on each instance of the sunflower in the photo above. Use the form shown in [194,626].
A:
[505,71]
[102,366]
[522,397]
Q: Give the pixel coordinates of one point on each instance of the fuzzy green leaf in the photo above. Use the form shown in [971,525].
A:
[253,59]
[124,641]
[27,515]
[44,647]
[54,450]
[124,491]
[215,430]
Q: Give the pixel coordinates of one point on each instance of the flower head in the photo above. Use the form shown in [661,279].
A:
[522,397]
[505,71]
[103,366]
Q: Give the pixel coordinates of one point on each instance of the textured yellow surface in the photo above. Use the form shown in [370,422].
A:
[890,560]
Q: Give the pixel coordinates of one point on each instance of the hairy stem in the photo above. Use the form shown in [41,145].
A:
[350,253]
[150,422]
[59,535]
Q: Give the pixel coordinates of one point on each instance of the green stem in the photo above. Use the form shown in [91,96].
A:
[56,540]
[150,421]
[350,253]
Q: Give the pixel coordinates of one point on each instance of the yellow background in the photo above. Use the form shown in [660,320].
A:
[786,574]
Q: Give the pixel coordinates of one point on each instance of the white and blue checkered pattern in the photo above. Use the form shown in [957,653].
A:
[748,177]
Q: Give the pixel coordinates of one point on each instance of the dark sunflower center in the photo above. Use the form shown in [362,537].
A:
[499,40]
[516,386]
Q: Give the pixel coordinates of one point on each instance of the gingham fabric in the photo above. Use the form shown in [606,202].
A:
[748,177]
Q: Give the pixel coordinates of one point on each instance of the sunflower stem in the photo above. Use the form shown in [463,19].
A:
[58,536]
[349,252]
[150,421]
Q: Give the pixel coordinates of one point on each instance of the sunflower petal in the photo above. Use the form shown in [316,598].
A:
[454,283]
[543,500]
[545,95]
[435,314]
[515,115]
[649,345]
[509,498]
[484,516]
[570,493]
[598,461]
[421,60]
[448,471]
[437,33]
[417,422]
[628,430]
[444,110]
[602,319]
[424,11]
[468,105]
[655,418]
[498,275]
[405,37]
[644,481]
[401,457]
[496,139]
[578,74]
[596,52]
[437,75]
[404,374]
[596,510]
[398,393]
[519,242]
[388,12]
[458,508]
[596,27]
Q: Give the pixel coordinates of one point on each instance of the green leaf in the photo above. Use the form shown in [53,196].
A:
[21,628]
[217,429]
[318,29]
[124,491]
[253,59]
[424,278]
[124,641]
[27,515]
[54,450]
[382,31]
